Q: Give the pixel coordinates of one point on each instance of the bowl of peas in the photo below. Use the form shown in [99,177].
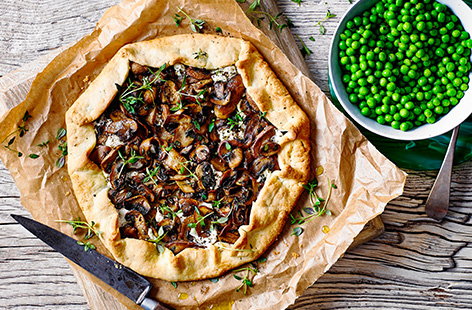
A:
[402,68]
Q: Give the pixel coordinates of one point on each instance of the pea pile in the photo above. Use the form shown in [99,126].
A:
[405,63]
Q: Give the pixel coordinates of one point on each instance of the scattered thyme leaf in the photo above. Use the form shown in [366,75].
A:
[299,2]
[178,19]
[32,155]
[43,144]
[61,132]
[174,284]
[218,30]
[297,231]
[87,245]
[214,280]
[311,38]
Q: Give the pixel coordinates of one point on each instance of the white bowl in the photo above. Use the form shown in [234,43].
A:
[456,116]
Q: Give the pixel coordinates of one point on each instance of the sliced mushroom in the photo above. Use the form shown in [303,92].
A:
[139,223]
[198,73]
[169,93]
[188,205]
[138,69]
[99,153]
[262,145]
[228,235]
[116,177]
[221,101]
[200,154]
[139,203]
[219,164]
[151,149]
[117,197]
[200,84]
[146,192]
[181,126]
[236,88]
[125,129]
[150,95]
[224,111]
[228,178]
[261,164]
[186,186]
[205,175]
[129,231]
[178,246]
[240,215]
[233,156]
[174,160]
[220,90]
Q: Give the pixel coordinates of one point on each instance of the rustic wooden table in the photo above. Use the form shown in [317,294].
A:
[416,264]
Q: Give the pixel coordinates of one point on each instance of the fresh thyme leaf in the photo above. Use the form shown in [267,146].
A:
[262,259]
[195,24]
[11,141]
[214,280]
[322,29]
[60,162]
[241,1]
[174,284]
[78,224]
[26,116]
[320,23]
[299,2]
[228,146]
[237,277]
[61,132]
[196,124]
[311,38]
[200,54]
[254,5]
[221,220]
[262,114]
[87,245]
[297,231]
[32,155]
[211,126]
[44,143]
[178,19]
[218,30]
[334,186]
[329,14]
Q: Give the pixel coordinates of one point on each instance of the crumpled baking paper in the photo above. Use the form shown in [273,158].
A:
[365,179]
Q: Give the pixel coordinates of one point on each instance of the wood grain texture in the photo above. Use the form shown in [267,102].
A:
[416,264]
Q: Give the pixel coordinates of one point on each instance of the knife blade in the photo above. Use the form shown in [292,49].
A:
[124,280]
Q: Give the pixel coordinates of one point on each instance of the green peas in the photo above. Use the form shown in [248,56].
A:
[405,62]
[365,111]
[404,126]
[404,113]
[395,124]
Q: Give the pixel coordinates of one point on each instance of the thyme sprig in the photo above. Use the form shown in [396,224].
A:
[62,147]
[165,208]
[200,220]
[20,131]
[79,224]
[150,174]
[157,241]
[319,206]
[320,23]
[195,24]
[129,101]
[236,121]
[247,280]
[133,158]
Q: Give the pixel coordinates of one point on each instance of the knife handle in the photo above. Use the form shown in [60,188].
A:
[151,304]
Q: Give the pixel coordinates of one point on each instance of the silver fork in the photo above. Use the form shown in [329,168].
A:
[437,203]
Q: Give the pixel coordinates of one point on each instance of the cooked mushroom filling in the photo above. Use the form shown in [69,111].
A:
[185,151]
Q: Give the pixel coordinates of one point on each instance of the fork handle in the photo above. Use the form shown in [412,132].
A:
[151,304]
[437,203]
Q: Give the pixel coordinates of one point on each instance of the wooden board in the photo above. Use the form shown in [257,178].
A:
[416,264]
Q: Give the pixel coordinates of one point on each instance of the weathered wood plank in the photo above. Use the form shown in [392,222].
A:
[416,264]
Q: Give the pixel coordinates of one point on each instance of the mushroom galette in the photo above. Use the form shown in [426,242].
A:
[189,154]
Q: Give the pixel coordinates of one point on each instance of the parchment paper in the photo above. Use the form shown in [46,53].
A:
[366,180]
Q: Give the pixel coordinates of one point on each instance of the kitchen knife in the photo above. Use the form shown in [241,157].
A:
[119,277]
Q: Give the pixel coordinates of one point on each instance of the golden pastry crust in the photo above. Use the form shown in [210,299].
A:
[275,200]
